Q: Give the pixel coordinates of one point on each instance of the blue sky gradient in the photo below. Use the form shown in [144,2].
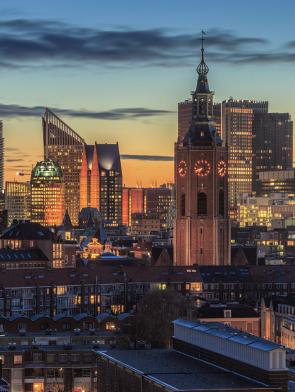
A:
[108,56]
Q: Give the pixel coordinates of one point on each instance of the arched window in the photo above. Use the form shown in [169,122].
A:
[202,203]
[221,203]
[182,204]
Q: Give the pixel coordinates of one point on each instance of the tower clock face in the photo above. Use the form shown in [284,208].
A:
[202,168]
[182,168]
[221,168]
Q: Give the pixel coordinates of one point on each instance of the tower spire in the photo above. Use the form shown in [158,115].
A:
[202,68]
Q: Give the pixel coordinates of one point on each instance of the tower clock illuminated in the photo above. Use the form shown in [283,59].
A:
[182,168]
[202,168]
[221,168]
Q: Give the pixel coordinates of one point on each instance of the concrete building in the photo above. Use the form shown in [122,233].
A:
[272,143]
[158,202]
[265,210]
[236,316]
[17,200]
[282,181]
[205,356]
[237,132]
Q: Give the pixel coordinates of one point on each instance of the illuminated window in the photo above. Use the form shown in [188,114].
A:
[17,359]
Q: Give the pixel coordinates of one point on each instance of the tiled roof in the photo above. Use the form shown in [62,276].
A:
[25,255]
[25,230]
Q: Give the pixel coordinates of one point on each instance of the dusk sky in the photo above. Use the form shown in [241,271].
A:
[115,71]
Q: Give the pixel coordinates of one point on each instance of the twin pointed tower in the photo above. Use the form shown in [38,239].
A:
[202,225]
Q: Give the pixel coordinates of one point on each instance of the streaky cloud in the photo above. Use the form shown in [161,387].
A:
[160,158]
[12,110]
[30,43]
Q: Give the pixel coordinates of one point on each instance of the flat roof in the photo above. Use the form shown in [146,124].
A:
[178,371]
[229,333]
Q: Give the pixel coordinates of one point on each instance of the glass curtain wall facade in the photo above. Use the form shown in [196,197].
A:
[65,147]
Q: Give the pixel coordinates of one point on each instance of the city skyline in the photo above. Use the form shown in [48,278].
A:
[129,71]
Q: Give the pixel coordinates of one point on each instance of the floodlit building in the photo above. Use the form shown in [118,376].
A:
[237,132]
[64,146]
[101,181]
[47,190]
[263,210]
[276,181]
[17,200]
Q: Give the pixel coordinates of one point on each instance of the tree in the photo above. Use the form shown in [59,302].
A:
[155,313]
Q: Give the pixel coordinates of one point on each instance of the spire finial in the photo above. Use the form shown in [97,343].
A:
[202,69]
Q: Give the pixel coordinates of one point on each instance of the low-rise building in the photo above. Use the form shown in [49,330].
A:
[205,356]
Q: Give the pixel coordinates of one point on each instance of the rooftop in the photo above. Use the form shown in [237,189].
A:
[178,371]
[25,230]
[231,334]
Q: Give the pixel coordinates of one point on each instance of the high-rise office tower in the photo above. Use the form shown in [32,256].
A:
[272,143]
[1,157]
[237,130]
[47,194]
[101,181]
[17,201]
[64,146]
[202,225]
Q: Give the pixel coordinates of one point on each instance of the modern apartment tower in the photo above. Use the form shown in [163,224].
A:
[47,194]
[272,143]
[17,201]
[202,226]
[65,147]
[1,157]
[101,181]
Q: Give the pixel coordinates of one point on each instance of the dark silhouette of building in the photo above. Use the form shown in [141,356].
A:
[272,143]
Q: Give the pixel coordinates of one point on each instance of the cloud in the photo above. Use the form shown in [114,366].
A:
[15,160]
[8,111]
[29,43]
[160,158]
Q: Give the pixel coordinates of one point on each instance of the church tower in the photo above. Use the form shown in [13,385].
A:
[201,233]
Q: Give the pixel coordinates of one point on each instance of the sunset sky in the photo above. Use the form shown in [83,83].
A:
[115,71]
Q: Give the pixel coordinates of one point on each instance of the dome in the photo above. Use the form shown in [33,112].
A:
[47,170]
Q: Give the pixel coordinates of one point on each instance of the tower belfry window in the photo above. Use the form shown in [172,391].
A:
[182,204]
[202,203]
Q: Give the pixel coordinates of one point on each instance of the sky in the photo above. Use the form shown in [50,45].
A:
[115,71]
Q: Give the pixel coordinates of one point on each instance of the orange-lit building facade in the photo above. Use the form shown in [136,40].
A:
[133,202]
[101,181]
[47,194]
[155,203]
[64,146]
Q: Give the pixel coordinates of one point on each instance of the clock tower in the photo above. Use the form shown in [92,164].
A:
[201,233]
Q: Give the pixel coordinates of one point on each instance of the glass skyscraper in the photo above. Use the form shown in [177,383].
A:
[64,146]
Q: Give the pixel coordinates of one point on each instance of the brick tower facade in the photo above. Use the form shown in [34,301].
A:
[202,226]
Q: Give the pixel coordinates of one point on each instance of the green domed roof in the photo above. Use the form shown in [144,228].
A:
[47,170]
